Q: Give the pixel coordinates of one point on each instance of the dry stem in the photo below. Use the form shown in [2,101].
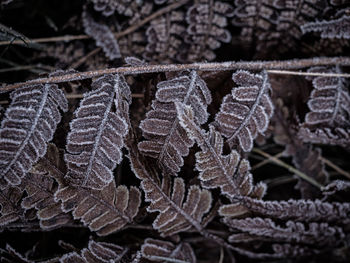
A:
[215,66]
[289,168]
[127,31]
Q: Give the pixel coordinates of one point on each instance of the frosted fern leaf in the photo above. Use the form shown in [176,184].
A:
[321,234]
[30,122]
[333,136]
[10,255]
[107,8]
[206,28]
[165,39]
[96,252]
[159,250]
[10,210]
[166,140]
[102,35]
[336,186]
[245,112]
[230,173]
[337,28]
[273,27]
[294,251]
[298,210]
[134,10]
[40,195]
[329,101]
[170,221]
[96,137]
[41,187]
[175,214]
[103,211]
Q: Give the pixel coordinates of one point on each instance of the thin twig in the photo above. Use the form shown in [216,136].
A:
[289,168]
[33,70]
[215,66]
[66,38]
[160,12]
[85,57]
[265,161]
[127,31]
[222,255]
[35,226]
[19,68]
[298,73]
[80,96]
[335,167]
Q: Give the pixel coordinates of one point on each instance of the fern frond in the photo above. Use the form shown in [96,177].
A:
[333,136]
[30,122]
[175,214]
[319,234]
[308,160]
[10,255]
[329,101]
[299,210]
[245,112]
[102,35]
[230,173]
[129,8]
[159,250]
[165,38]
[96,252]
[206,28]
[166,140]
[273,27]
[103,211]
[10,200]
[294,251]
[96,137]
[336,186]
[41,187]
[40,195]
[336,28]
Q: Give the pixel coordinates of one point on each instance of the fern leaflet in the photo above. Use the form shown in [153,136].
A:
[320,234]
[176,215]
[30,122]
[96,137]
[337,28]
[166,140]
[329,101]
[102,34]
[229,172]
[159,250]
[96,252]
[246,112]
[104,211]
[299,210]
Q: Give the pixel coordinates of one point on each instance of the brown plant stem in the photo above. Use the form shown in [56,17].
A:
[80,96]
[335,167]
[289,168]
[127,31]
[315,74]
[214,66]
[265,161]
[85,57]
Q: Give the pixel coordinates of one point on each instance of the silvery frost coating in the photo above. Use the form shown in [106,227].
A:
[246,112]
[167,141]
[96,138]
[30,122]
